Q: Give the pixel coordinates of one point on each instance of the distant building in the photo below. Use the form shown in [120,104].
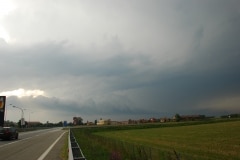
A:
[114,122]
[152,120]
[163,120]
[104,122]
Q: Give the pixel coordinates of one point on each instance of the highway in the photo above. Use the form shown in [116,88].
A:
[34,145]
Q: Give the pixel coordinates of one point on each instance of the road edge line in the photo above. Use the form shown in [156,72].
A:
[50,148]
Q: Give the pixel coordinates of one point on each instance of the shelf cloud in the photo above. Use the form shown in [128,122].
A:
[120,60]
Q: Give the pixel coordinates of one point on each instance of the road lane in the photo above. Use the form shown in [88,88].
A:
[50,147]
[29,134]
[30,146]
[56,152]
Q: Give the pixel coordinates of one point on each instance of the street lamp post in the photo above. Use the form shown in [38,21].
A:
[29,119]
[22,116]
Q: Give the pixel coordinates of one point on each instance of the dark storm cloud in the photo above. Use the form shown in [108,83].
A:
[175,56]
[53,59]
[205,75]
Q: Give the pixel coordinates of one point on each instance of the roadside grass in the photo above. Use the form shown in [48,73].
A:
[208,141]
[91,147]
[64,150]
[165,141]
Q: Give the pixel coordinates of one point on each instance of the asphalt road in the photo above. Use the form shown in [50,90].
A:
[35,145]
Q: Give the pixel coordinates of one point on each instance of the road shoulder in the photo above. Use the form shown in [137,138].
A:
[56,152]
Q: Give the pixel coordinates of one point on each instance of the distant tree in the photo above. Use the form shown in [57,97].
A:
[26,124]
[19,123]
[109,121]
[22,126]
[130,121]
[60,124]
[77,121]
[9,123]
[177,117]
[70,124]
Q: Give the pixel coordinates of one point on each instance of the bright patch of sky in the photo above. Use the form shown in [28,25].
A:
[6,7]
[23,93]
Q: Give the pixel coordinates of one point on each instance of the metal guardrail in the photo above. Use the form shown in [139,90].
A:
[75,152]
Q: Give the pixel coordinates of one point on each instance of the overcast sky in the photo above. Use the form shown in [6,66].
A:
[119,59]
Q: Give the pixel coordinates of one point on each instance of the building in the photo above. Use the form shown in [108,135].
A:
[104,122]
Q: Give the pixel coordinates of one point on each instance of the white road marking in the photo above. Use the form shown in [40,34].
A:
[16,141]
[8,144]
[49,148]
[23,133]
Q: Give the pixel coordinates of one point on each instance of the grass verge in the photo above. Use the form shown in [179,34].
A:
[193,140]
[64,150]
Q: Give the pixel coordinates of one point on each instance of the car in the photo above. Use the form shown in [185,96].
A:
[8,133]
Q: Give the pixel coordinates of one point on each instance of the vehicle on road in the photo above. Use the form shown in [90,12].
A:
[8,133]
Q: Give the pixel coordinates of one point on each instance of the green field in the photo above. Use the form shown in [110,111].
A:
[219,141]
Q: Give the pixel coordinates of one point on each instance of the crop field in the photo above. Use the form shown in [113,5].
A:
[201,142]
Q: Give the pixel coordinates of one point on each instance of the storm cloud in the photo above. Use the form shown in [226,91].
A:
[122,59]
